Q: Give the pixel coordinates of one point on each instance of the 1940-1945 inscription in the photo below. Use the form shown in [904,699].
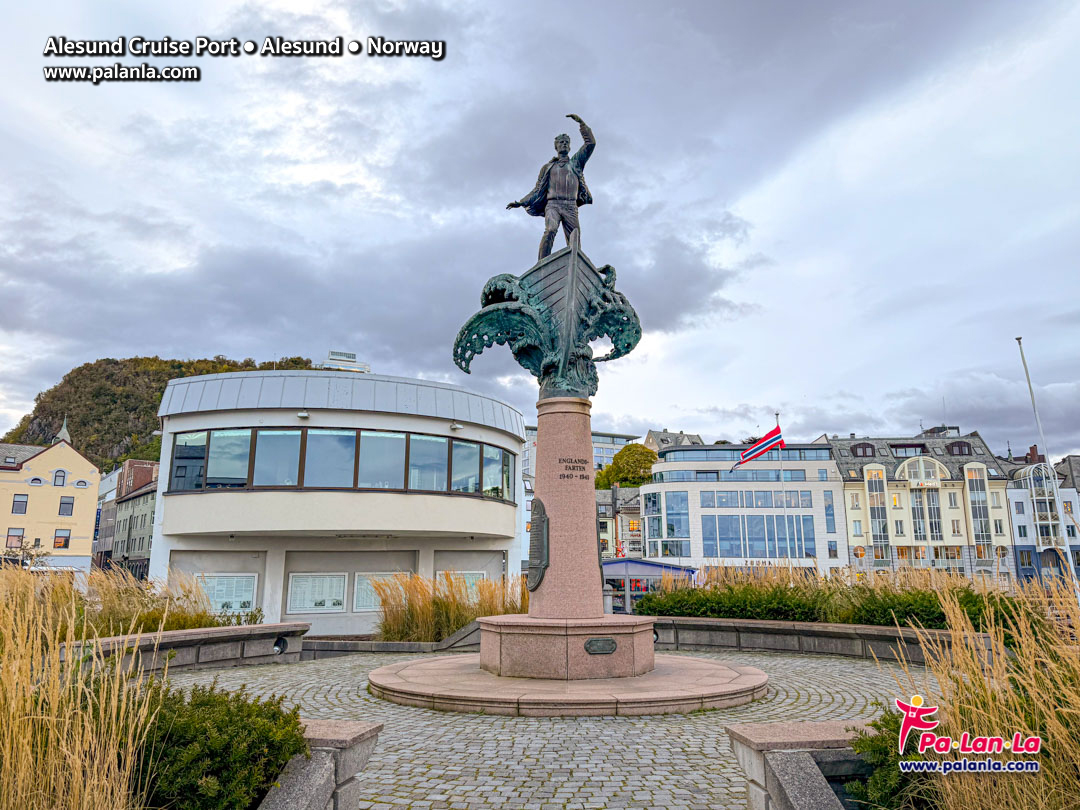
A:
[574,468]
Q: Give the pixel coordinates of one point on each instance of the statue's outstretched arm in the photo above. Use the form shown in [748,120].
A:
[524,201]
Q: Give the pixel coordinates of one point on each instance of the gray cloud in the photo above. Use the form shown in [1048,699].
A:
[285,206]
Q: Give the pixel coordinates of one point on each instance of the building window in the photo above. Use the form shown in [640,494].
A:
[863,451]
[9,459]
[59,478]
[822,475]
[1076,557]
[330,458]
[708,499]
[427,464]
[189,461]
[1025,559]
[895,501]
[61,538]
[1070,530]
[464,467]
[959,449]
[652,503]
[677,512]
[727,499]
[227,465]
[634,526]
[381,462]
[728,536]
[1067,506]
[830,512]
[956,528]
[953,503]
[855,500]
[18,504]
[995,499]
[708,536]
[999,527]
[603,526]
[36,482]
[856,528]
[15,538]
[899,528]
[655,528]
[980,515]
[1019,507]
[1021,532]
[316,593]
[365,599]
[229,593]
[832,550]
[67,506]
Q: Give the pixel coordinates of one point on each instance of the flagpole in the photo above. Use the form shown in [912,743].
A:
[1053,475]
[783,497]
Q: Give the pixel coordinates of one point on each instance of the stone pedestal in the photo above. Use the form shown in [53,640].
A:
[567,635]
[566,649]
[572,587]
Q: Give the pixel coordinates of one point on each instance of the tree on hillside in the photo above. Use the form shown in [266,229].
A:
[111,405]
[631,467]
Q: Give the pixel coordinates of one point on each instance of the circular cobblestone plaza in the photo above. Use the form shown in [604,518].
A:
[431,759]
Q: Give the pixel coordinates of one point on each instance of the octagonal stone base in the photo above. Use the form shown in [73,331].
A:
[676,685]
[518,646]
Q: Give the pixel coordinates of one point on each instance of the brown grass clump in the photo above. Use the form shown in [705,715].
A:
[1031,686]
[71,727]
[415,608]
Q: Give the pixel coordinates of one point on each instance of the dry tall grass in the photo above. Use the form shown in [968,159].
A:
[415,608]
[1031,687]
[71,728]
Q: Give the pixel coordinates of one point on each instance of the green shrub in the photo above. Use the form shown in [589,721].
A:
[218,750]
[887,788]
[742,601]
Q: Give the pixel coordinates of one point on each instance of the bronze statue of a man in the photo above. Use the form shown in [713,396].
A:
[560,188]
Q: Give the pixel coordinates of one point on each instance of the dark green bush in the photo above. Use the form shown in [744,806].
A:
[887,788]
[856,604]
[743,601]
[217,750]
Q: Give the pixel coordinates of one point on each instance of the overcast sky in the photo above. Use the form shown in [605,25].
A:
[843,211]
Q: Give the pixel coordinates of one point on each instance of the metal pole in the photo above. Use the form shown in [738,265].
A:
[1053,473]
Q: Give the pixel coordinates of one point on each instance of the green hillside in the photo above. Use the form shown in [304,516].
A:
[111,405]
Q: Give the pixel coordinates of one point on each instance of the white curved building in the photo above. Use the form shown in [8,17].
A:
[293,490]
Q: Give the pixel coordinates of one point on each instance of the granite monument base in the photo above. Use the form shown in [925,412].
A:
[516,646]
[677,684]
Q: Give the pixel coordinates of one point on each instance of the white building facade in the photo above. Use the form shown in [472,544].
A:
[699,512]
[292,491]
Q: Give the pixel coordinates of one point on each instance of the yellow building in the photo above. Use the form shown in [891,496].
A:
[936,500]
[50,496]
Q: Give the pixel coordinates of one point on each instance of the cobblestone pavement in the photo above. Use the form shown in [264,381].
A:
[430,759]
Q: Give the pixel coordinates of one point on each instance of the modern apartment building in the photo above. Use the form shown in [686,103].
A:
[935,500]
[605,446]
[294,491]
[1044,522]
[51,493]
[784,508]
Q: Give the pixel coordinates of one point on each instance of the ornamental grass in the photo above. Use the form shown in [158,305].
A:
[1019,672]
[71,727]
[417,608]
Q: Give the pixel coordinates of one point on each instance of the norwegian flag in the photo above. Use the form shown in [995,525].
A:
[774,438]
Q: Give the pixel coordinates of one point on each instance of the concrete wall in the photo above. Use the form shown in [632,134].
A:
[490,562]
[225,562]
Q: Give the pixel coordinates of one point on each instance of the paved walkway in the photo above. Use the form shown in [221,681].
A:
[429,759]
